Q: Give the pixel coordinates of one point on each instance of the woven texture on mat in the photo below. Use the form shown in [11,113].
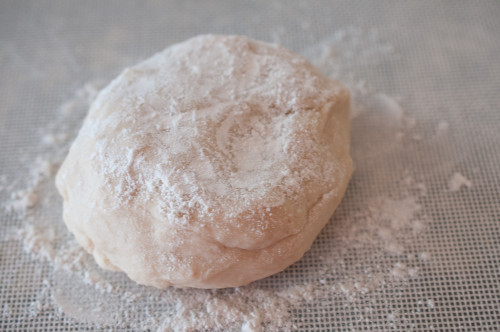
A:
[415,243]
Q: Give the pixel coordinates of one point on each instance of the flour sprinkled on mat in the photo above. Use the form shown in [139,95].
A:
[458,181]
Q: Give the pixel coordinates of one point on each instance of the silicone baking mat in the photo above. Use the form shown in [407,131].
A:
[415,244]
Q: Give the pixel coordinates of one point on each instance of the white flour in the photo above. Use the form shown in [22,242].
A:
[458,181]
[442,128]
[384,225]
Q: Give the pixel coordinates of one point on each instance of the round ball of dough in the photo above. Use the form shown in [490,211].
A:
[212,164]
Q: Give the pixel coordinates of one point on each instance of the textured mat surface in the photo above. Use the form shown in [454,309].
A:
[404,251]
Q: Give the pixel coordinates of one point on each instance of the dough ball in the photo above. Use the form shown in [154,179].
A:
[212,164]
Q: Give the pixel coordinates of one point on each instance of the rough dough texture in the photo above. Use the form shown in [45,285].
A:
[212,164]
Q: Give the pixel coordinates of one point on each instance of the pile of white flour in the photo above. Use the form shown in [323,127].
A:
[343,264]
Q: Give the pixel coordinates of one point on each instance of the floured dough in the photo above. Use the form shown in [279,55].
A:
[212,164]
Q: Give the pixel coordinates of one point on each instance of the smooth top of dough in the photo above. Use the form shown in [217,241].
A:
[211,150]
